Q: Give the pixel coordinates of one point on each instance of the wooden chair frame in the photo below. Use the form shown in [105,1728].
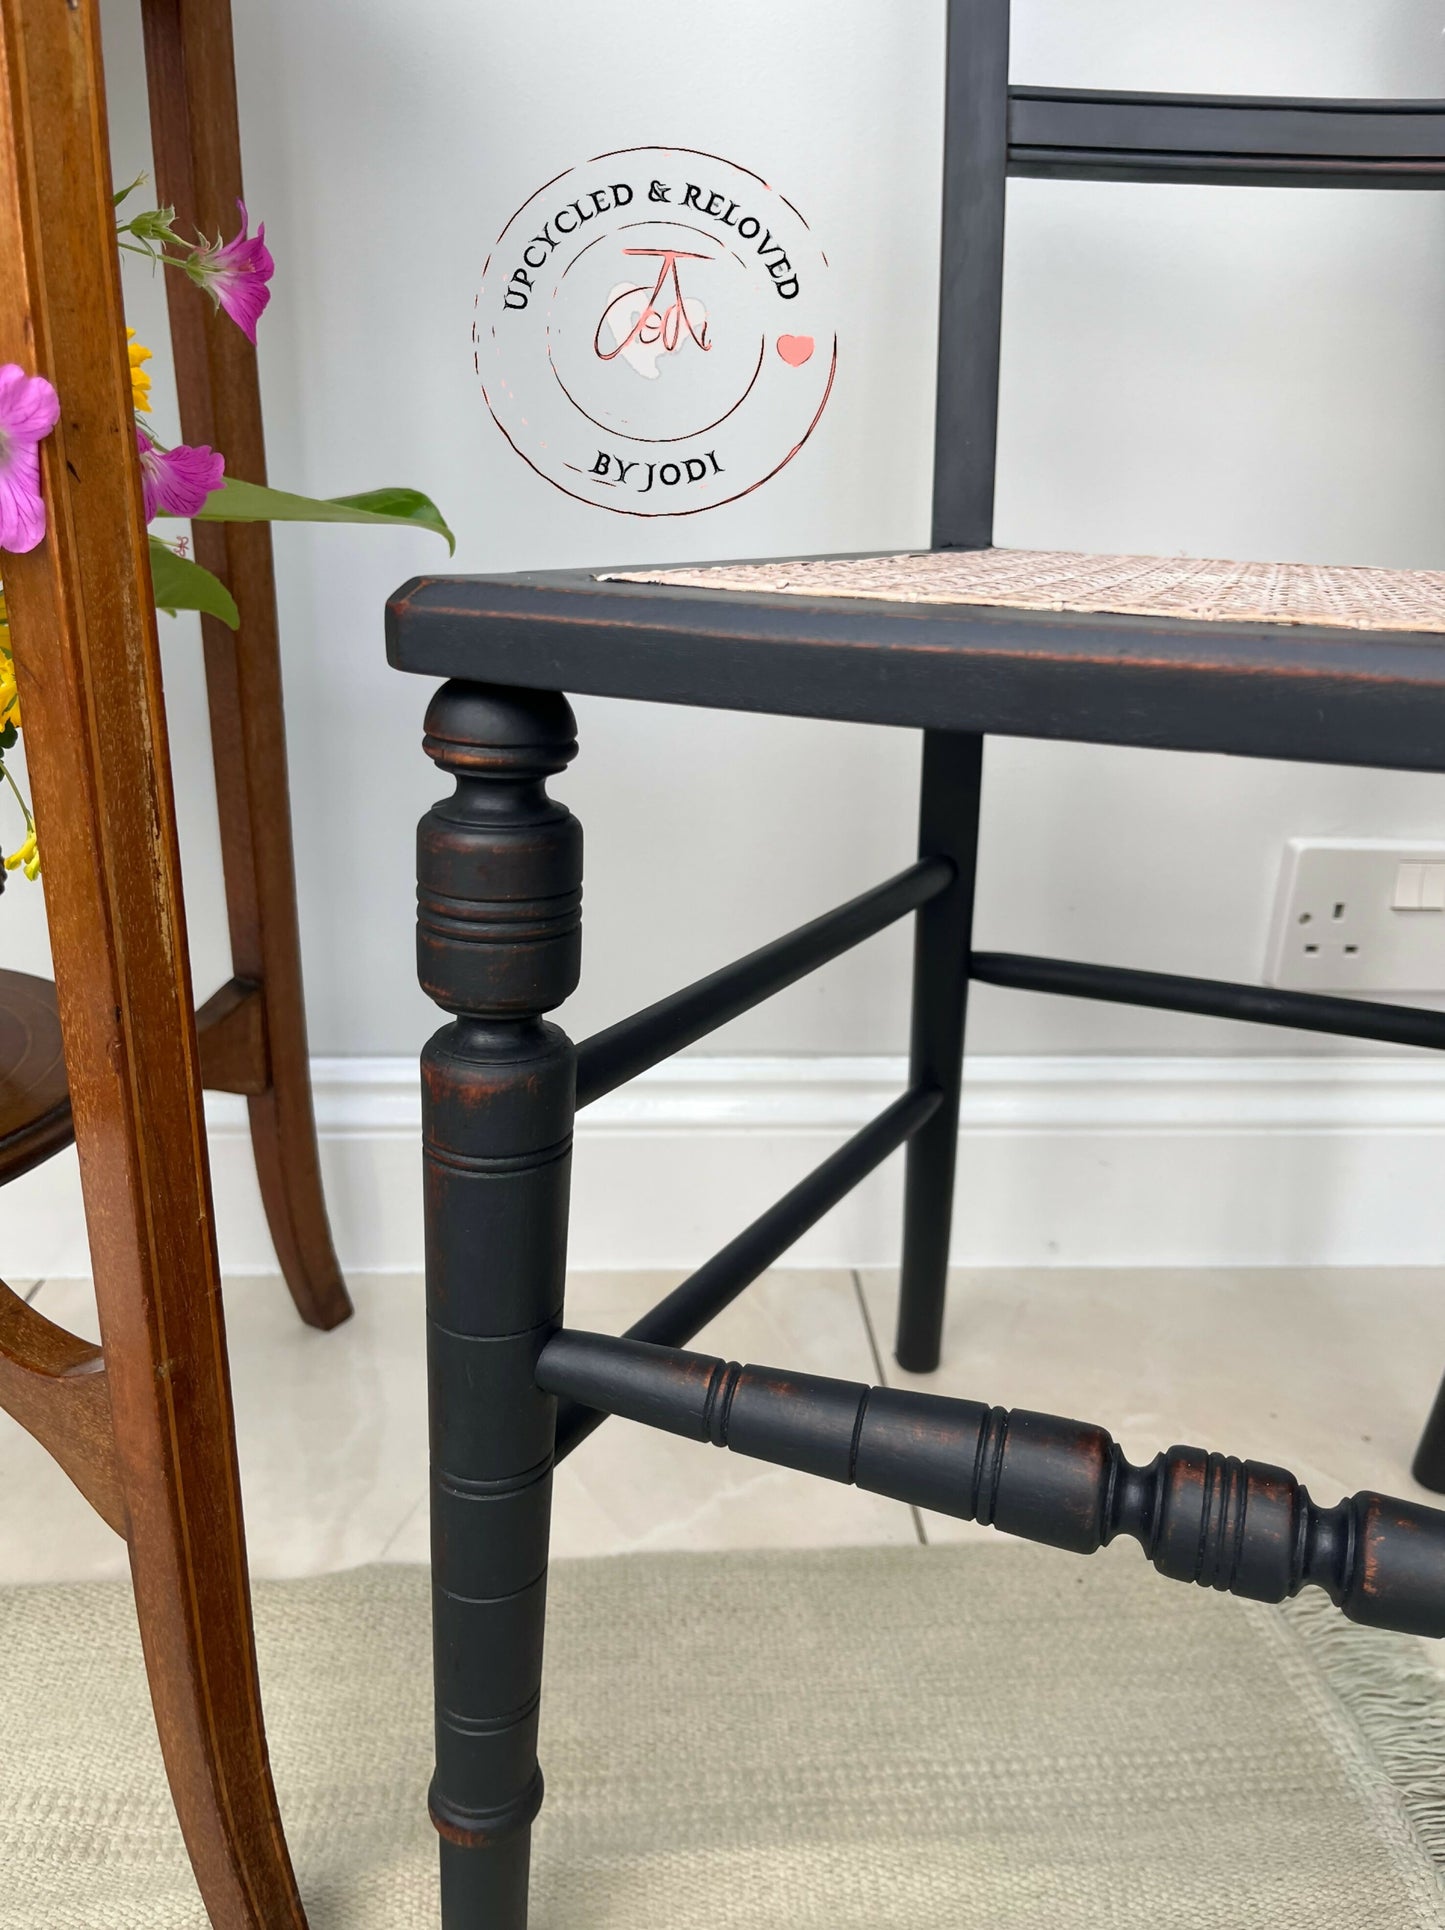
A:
[252,1030]
[499,866]
[144,1424]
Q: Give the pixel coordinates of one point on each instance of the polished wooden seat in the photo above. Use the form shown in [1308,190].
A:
[34,1098]
[35,1118]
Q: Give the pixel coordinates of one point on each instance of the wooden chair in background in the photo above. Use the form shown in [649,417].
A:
[143,1424]
[253,1030]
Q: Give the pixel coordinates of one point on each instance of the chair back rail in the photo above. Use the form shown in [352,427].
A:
[992,131]
[1225,140]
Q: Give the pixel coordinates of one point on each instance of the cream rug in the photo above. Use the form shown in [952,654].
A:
[991,1738]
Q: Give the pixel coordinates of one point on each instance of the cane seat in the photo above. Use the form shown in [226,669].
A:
[1332,596]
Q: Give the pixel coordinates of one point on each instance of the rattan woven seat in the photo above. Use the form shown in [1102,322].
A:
[1207,590]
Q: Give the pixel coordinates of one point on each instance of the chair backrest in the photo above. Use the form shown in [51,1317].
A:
[993,131]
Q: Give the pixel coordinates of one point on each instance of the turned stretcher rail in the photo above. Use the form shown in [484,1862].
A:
[704,1294]
[1238,1526]
[1212,998]
[609,1059]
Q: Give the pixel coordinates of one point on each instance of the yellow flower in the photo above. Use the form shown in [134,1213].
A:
[140,382]
[9,695]
[28,855]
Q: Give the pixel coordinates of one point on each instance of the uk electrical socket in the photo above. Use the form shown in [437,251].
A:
[1359,915]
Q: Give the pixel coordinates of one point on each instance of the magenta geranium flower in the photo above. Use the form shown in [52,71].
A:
[29,410]
[176,482]
[235,274]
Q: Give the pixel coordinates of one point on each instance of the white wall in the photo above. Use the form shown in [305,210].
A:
[1237,373]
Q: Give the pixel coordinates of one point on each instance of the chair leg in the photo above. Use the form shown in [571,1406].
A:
[498,944]
[947,827]
[288,1167]
[193,1604]
[195,136]
[82,611]
[248,743]
[1428,1466]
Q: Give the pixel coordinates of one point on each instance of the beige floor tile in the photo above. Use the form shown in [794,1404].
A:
[331,1433]
[1328,1373]
[331,1430]
[629,1487]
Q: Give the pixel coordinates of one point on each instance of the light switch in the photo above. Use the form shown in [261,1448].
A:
[1419,886]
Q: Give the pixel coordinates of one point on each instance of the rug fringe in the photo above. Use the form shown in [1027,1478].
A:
[1397,1695]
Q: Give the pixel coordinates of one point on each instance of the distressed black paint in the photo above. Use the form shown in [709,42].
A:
[1238,1526]
[499,868]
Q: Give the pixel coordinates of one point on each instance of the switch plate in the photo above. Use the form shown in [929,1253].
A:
[1359,915]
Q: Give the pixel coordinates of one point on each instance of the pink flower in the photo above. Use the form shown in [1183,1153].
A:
[29,410]
[235,274]
[176,482]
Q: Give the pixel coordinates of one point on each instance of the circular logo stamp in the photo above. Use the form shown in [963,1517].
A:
[653,331]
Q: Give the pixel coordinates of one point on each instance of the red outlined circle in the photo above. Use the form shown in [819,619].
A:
[654,334]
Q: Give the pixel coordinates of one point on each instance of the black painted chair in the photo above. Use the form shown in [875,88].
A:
[1353,674]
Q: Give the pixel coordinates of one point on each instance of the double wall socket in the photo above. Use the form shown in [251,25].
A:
[1359,915]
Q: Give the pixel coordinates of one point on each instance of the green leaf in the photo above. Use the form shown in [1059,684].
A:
[183,585]
[243,502]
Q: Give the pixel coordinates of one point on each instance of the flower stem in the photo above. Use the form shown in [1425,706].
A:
[19,799]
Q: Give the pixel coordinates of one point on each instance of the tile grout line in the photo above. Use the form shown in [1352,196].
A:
[873,1349]
[395,1536]
[32,1291]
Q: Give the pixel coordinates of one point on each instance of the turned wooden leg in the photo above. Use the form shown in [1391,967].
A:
[947,828]
[498,944]
[194,132]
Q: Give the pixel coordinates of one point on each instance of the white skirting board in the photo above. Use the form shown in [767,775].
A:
[1114,1161]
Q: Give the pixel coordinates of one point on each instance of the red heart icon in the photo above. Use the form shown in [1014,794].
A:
[795,349]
